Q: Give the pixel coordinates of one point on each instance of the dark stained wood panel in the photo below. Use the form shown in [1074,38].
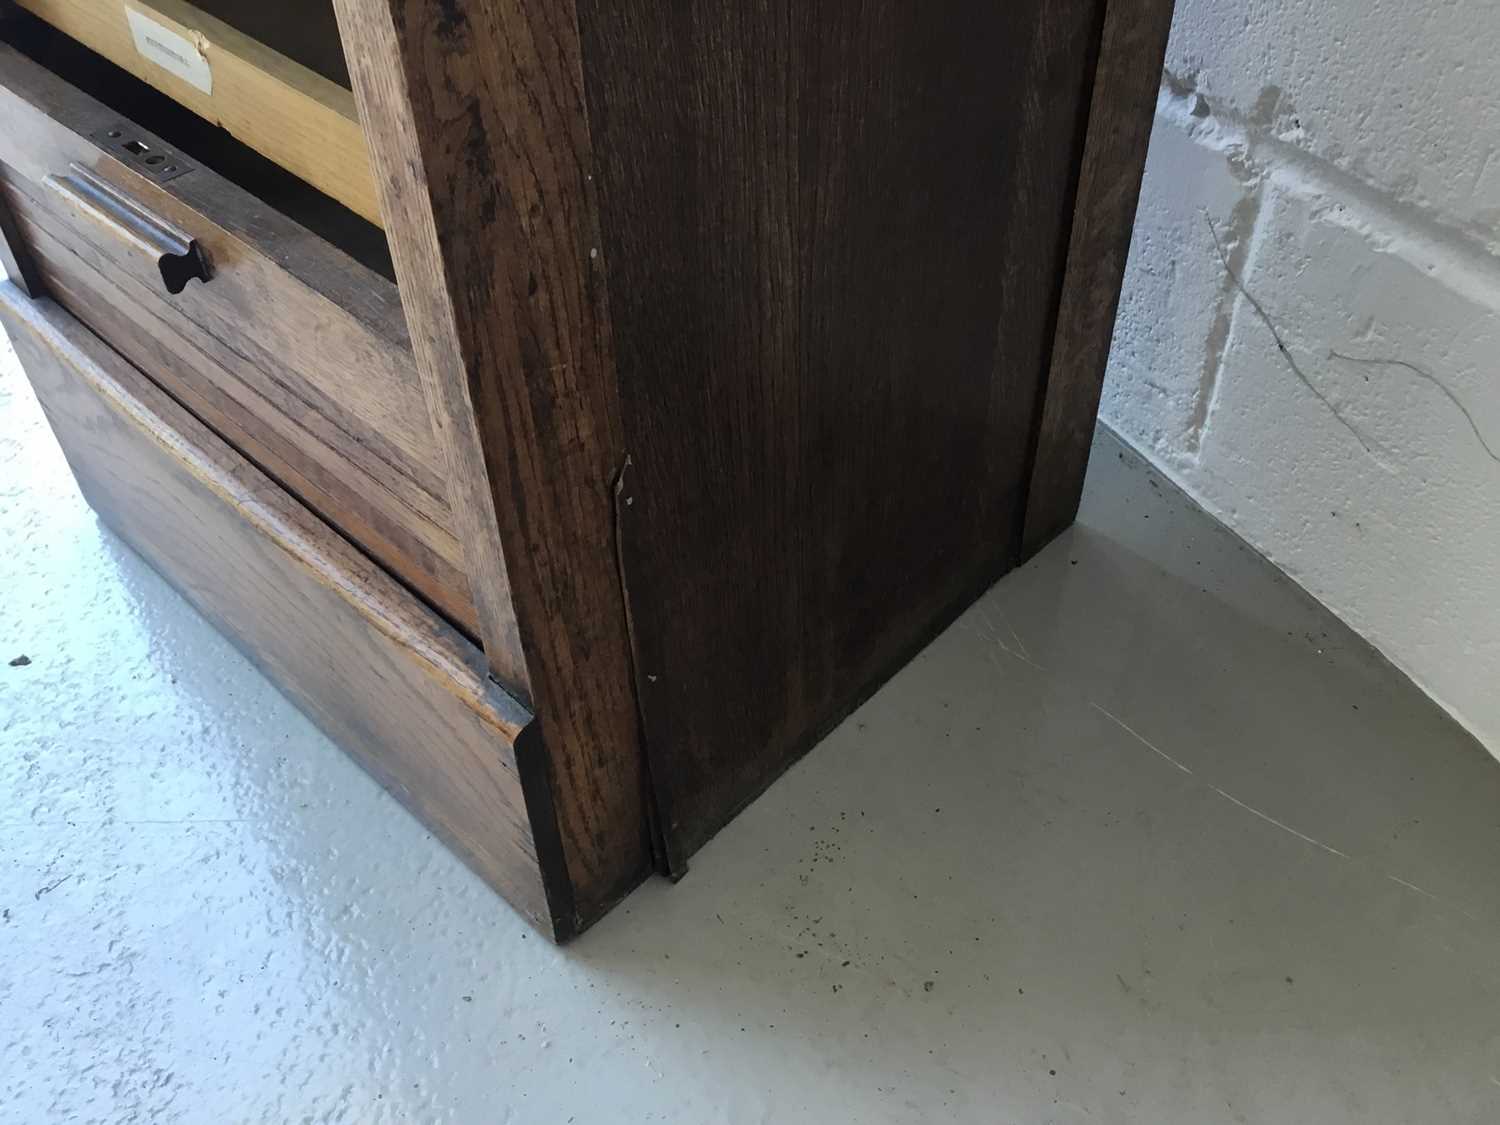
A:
[1119,131]
[484,168]
[400,690]
[832,233]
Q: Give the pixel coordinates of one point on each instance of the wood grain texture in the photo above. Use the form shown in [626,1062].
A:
[485,177]
[303,449]
[282,109]
[735,329]
[16,261]
[392,684]
[295,352]
[832,233]
[1133,44]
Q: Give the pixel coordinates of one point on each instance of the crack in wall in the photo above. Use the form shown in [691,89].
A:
[1218,340]
[1256,154]
[1407,365]
[1286,353]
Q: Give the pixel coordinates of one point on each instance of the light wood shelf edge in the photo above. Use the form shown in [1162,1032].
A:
[284,111]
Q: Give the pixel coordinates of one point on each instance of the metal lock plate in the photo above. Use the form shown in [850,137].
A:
[145,154]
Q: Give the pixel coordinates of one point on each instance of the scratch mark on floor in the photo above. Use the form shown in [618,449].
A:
[982,625]
[991,634]
[1413,887]
[1144,741]
[1435,381]
[1020,644]
[1024,659]
[1430,895]
[1285,351]
[1272,820]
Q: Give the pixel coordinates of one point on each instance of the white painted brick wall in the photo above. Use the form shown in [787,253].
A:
[1345,154]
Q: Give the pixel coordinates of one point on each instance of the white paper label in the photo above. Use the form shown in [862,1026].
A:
[170,50]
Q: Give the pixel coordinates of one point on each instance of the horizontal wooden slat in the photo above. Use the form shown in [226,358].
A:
[303,297]
[304,30]
[248,407]
[283,110]
[389,681]
[293,351]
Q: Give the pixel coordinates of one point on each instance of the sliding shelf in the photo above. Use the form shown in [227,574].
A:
[289,112]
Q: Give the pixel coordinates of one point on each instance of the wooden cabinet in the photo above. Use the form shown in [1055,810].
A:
[576,407]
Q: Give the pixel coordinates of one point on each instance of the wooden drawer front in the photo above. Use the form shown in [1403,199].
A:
[393,684]
[294,352]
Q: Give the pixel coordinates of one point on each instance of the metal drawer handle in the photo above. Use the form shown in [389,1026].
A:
[176,254]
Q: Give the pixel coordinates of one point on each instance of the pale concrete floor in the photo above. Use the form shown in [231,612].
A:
[1146,837]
